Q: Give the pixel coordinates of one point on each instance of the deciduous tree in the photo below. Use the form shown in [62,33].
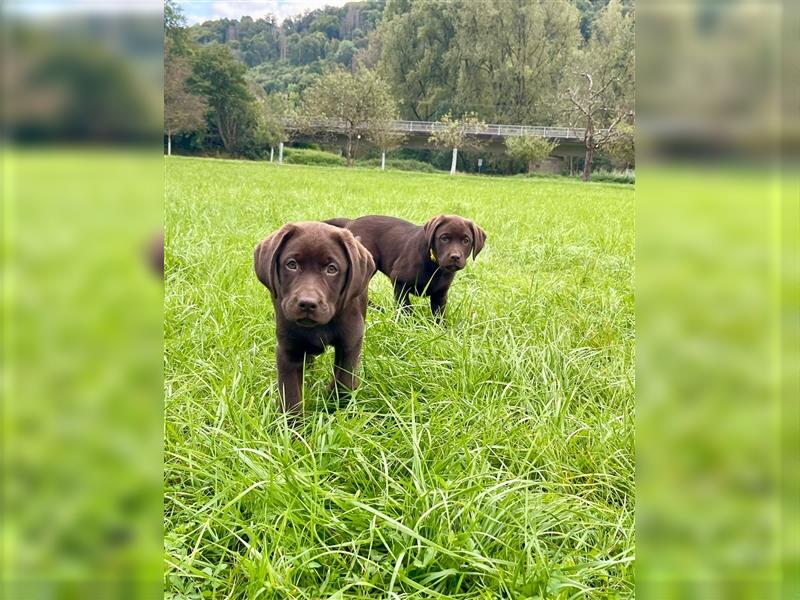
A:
[599,95]
[356,104]
[184,112]
[219,78]
[531,149]
[386,137]
[457,133]
[621,147]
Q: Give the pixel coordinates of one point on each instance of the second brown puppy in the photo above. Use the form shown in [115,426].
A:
[420,260]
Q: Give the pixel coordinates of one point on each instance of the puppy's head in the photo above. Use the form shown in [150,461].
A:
[450,240]
[313,270]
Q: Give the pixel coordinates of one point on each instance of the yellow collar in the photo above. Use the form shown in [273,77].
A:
[433,255]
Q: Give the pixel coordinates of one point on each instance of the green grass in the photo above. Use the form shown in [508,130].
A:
[490,457]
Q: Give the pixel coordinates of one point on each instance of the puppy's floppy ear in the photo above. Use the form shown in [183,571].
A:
[266,255]
[430,228]
[478,239]
[361,266]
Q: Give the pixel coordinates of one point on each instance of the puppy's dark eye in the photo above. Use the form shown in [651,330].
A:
[466,241]
[332,269]
[445,238]
[291,264]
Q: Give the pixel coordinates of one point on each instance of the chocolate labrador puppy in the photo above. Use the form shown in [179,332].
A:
[317,276]
[419,260]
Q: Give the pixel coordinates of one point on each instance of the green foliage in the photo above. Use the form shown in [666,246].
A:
[530,149]
[184,112]
[175,35]
[400,164]
[437,59]
[490,457]
[512,72]
[627,176]
[360,103]
[620,148]
[288,57]
[457,133]
[418,58]
[306,156]
[598,93]
[219,78]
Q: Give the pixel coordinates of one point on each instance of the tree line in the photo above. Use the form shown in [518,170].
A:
[231,85]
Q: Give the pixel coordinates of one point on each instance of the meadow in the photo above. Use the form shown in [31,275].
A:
[491,456]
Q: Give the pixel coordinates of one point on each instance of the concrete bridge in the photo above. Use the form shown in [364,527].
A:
[569,140]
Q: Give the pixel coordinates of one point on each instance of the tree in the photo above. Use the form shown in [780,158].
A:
[417,56]
[531,149]
[621,147]
[175,36]
[385,137]
[219,78]
[455,134]
[511,57]
[184,112]
[599,96]
[357,104]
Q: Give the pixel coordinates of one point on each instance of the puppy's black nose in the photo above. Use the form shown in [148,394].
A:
[455,257]
[307,304]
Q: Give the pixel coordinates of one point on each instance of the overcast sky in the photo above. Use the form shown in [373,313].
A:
[197,11]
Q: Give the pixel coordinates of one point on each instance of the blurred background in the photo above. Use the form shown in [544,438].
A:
[717,299]
[82,205]
[717,136]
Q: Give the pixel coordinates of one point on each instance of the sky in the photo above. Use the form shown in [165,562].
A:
[197,11]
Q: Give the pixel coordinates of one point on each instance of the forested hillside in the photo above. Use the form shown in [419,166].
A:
[287,57]
[499,59]
[233,85]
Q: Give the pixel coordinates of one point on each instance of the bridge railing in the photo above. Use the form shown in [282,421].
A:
[495,130]
[429,127]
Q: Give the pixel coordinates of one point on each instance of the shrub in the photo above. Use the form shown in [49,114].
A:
[302,156]
[626,176]
[400,164]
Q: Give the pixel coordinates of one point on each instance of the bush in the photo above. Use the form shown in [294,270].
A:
[627,176]
[400,164]
[302,156]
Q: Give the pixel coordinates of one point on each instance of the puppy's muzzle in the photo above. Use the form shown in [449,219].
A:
[307,310]
[454,262]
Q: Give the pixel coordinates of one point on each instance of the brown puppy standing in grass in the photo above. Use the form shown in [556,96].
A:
[419,260]
[318,277]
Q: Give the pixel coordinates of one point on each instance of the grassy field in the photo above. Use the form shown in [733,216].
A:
[489,457]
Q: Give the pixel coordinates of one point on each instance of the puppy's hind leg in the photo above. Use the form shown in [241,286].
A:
[401,295]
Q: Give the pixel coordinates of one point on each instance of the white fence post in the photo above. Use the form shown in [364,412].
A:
[271,153]
[453,164]
[280,153]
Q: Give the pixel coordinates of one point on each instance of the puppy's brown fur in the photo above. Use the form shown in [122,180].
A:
[317,276]
[420,260]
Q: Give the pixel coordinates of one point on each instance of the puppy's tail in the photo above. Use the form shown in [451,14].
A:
[338,222]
